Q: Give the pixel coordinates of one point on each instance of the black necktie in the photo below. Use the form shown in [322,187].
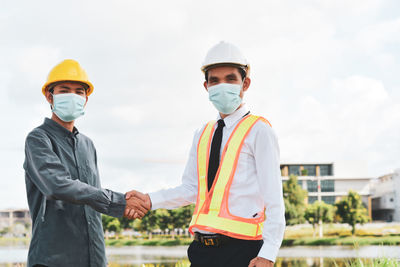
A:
[213,162]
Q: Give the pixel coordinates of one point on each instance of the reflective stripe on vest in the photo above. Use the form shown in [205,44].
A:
[211,212]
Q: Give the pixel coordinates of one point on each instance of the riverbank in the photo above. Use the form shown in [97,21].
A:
[298,256]
[355,241]
[289,242]
[343,241]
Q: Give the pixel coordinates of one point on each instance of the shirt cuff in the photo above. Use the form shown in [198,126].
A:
[268,251]
[117,205]
[156,200]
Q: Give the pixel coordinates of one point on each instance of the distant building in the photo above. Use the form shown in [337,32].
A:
[319,181]
[10,217]
[386,197]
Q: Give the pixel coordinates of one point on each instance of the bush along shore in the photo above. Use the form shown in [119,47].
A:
[306,241]
[391,240]
[342,241]
[381,262]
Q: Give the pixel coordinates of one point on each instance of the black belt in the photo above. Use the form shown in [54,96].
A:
[214,240]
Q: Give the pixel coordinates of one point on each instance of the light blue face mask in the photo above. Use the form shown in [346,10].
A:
[68,107]
[225,97]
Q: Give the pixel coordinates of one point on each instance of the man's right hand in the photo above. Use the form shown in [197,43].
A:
[137,204]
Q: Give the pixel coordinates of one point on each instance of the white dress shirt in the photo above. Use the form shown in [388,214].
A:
[257,182]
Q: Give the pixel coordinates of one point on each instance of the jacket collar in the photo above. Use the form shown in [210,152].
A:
[59,130]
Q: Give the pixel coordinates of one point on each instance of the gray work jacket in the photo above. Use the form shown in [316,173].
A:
[65,198]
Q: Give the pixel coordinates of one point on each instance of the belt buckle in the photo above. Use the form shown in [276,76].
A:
[210,241]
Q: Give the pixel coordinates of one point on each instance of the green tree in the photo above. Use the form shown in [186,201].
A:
[350,210]
[148,223]
[110,224]
[114,226]
[182,216]
[5,230]
[319,212]
[105,219]
[126,223]
[164,219]
[294,197]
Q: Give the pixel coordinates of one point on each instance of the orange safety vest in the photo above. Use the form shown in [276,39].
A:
[211,212]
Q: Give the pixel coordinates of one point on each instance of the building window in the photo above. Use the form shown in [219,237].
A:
[18,214]
[312,199]
[325,170]
[327,186]
[312,186]
[294,169]
[328,199]
[310,170]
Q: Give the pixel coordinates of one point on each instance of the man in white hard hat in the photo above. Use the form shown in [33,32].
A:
[62,180]
[232,174]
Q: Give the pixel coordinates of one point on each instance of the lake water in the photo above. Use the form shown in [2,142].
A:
[322,256]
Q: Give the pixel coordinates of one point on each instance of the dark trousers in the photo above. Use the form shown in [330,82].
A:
[237,253]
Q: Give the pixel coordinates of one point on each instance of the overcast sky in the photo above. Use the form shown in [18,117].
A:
[324,73]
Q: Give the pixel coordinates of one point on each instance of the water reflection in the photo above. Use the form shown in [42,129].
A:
[131,261]
[135,256]
[281,262]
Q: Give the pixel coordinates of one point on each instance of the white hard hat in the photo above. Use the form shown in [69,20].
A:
[225,53]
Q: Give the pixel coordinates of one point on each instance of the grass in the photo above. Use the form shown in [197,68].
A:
[389,240]
[340,235]
[335,230]
[183,263]
[342,241]
[146,242]
[14,241]
[300,235]
[381,262]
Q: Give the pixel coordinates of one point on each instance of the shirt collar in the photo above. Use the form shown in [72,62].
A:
[236,116]
[59,129]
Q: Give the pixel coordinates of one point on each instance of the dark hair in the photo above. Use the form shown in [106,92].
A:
[51,86]
[241,71]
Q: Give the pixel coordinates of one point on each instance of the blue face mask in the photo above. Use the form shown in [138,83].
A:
[68,107]
[225,97]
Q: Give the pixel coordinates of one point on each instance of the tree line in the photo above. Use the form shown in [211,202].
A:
[161,219]
[348,210]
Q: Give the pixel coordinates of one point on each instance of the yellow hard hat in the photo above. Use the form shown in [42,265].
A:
[68,70]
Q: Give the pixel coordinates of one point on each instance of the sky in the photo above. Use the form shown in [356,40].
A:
[324,73]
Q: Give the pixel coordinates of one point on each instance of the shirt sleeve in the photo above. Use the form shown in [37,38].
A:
[46,171]
[266,153]
[184,194]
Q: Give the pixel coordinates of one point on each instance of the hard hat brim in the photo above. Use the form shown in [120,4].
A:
[222,64]
[89,84]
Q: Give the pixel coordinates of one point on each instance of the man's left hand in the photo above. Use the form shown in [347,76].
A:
[260,262]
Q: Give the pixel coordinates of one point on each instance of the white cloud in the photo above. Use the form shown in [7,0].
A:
[323,72]
[353,122]
[132,115]
[373,38]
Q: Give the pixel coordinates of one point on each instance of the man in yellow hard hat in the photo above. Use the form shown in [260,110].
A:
[62,180]
[232,174]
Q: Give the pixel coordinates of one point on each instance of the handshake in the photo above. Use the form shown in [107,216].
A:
[137,204]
